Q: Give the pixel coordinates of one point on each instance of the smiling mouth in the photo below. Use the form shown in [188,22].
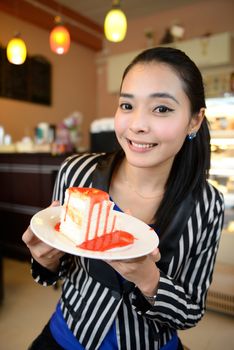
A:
[142,145]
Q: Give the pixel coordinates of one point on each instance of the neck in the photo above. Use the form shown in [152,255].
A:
[147,183]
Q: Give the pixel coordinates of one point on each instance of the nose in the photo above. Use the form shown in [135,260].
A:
[139,123]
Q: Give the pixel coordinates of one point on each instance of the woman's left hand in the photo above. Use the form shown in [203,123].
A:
[142,271]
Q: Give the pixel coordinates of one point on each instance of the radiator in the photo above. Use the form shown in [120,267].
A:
[221,292]
[218,301]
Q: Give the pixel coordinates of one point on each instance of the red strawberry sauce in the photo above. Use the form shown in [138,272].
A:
[108,241]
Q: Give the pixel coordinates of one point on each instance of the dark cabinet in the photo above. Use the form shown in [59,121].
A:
[26,186]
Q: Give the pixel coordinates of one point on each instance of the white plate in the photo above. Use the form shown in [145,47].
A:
[43,223]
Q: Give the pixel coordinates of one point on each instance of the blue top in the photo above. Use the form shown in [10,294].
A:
[65,338]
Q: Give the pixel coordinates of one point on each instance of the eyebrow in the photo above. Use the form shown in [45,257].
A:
[156,94]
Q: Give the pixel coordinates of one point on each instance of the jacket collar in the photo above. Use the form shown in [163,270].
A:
[98,269]
[168,240]
[104,170]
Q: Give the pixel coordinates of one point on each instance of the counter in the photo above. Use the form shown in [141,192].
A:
[27,182]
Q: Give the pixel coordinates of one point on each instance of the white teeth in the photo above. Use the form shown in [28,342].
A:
[142,145]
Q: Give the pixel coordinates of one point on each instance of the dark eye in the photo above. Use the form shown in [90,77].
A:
[125,106]
[162,109]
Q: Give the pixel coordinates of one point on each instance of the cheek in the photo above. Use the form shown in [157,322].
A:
[120,124]
[172,132]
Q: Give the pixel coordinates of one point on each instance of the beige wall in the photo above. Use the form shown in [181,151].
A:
[73,83]
[213,16]
[79,83]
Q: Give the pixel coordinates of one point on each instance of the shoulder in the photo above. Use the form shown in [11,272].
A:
[84,160]
[77,170]
[213,193]
[212,201]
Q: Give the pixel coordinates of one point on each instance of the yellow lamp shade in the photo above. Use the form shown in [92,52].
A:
[16,51]
[60,40]
[115,25]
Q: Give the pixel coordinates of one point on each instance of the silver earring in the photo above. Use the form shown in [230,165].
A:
[192,136]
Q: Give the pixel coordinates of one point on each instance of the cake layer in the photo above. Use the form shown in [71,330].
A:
[87,213]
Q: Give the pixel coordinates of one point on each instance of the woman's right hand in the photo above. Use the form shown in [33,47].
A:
[44,254]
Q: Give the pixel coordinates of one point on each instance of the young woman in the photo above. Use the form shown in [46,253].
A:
[160,177]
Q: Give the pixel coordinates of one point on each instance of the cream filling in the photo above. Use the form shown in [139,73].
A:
[78,233]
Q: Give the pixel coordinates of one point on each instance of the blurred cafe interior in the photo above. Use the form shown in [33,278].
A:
[60,98]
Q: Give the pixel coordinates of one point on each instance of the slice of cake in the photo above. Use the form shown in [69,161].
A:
[87,213]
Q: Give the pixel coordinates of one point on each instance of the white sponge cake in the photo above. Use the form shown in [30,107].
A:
[87,213]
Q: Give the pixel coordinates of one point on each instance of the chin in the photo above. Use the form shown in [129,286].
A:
[140,160]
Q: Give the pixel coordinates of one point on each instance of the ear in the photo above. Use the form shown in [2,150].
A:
[196,121]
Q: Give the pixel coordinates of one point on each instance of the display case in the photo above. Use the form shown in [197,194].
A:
[220,113]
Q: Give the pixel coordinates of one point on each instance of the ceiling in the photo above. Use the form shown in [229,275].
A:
[97,9]
[84,18]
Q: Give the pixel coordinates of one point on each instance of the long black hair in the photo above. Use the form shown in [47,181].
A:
[191,165]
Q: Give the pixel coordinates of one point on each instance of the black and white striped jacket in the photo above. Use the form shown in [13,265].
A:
[93,297]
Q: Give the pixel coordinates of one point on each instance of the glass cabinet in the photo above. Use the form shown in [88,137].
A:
[220,113]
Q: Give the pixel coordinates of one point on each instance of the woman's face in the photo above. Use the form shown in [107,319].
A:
[153,116]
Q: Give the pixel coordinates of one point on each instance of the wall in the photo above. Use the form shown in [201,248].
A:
[73,83]
[205,16]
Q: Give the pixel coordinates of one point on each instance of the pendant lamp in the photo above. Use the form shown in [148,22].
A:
[59,37]
[16,50]
[115,24]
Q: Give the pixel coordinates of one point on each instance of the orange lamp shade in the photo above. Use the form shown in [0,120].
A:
[60,40]
[16,51]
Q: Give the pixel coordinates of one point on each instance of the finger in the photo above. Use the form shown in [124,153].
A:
[55,204]
[28,236]
[127,211]
[158,257]
[45,251]
[155,255]
[55,253]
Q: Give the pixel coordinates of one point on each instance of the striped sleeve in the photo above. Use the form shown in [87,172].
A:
[76,170]
[46,277]
[181,295]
